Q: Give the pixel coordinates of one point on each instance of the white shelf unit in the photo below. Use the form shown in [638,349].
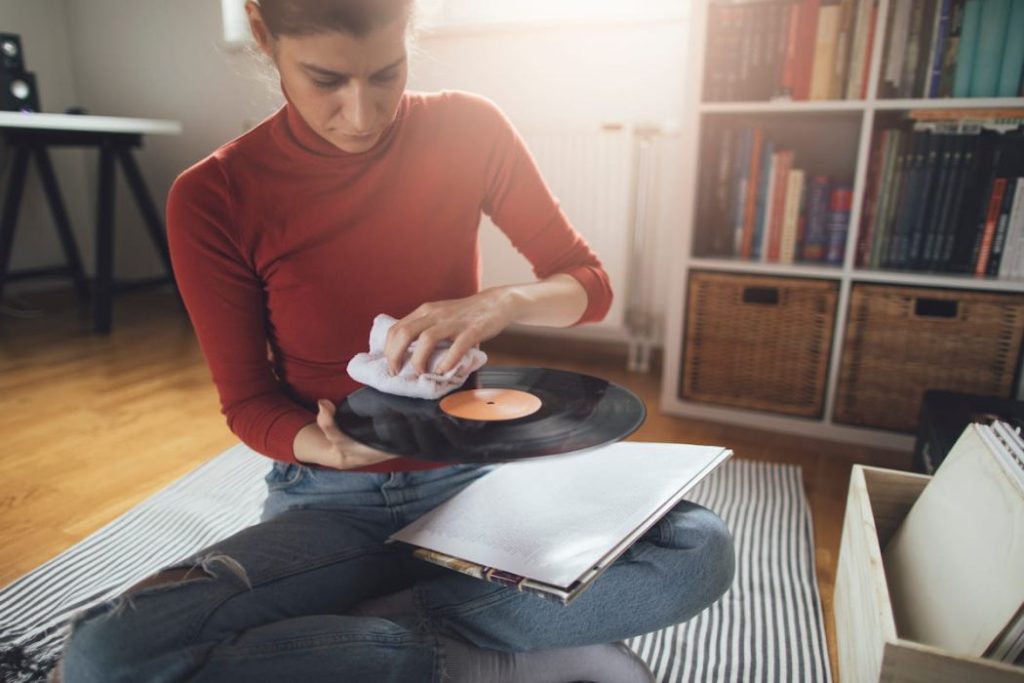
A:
[846,274]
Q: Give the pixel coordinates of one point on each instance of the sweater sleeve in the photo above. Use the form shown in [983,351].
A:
[520,203]
[225,301]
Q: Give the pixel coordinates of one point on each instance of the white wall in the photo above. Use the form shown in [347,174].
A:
[43,27]
[549,77]
[165,59]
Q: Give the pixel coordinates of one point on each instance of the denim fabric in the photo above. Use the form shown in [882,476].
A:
[273,602]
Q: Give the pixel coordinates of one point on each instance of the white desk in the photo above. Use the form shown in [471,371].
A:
[29,135]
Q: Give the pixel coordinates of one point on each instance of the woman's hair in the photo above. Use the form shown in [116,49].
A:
[309,17]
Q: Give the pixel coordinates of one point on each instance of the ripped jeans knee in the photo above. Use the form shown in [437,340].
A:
[127,637]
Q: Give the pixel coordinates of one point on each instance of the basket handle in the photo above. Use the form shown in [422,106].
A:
[936,308]
[764,296]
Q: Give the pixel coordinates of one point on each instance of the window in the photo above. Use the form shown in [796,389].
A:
[434,14]
[440,13]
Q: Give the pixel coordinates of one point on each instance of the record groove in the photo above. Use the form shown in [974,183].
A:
[577,412]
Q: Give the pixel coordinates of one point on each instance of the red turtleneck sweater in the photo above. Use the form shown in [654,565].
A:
[285,248]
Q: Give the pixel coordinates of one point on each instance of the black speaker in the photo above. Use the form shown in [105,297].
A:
[18,92]
[12,59]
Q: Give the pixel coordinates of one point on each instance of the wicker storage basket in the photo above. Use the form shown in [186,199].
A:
[758,342]
[902,341]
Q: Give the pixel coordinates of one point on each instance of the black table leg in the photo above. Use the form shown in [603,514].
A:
[150,214]
[60,219]
[12,206]
[103,301]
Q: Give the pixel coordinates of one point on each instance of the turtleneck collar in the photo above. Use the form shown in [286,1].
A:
[299,133]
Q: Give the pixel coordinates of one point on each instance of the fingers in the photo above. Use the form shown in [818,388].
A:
[401,335]
[460,347]
[325,420]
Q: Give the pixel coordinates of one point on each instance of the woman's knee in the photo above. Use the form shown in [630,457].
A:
[110,641]
[707,542]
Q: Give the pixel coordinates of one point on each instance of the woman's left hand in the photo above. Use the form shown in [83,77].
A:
[465,322]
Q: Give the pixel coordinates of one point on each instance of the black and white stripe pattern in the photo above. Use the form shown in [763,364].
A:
[767,627]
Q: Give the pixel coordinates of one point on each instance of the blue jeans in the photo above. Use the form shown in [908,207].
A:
[274,601]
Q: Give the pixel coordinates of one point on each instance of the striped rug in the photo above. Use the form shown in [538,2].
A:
[767,627]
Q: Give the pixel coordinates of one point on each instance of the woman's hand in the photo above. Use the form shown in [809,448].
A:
[557,301]
[324,444]
[465,322]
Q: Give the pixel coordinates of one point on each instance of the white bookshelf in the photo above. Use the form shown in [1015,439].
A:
[864,113]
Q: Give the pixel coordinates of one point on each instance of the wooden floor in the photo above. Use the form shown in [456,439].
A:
[90,426]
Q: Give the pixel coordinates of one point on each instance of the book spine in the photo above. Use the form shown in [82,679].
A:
[739,203]
[913,54]
[899,245]
[865,77]
[995,14]
[790,66]
[951,48]
[923,208]
[841,59]
[953,224]
[1012,67]
[761,202]
[825,51]
[937,57]
[752,186]
[726,152]
[815,243]
[995,204]
[943,200]
[888,201]
[1002,226]
[1014,235]
[867,233]
[794,198]
[968,48]
[769,207]
[807,32]
[840,204]
[899,29]
[785,164]
[858,50]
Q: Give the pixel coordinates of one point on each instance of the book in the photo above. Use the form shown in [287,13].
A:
[825,51]
[859,49]
[1002,226]
[896,40]
[951,49]
[551,526]
[783,165]
[937,55]
[988,57]
[807,32]
[751,187]
[791,215]
[1012,67]
[839,205]
[815,242]
[1014,235]
[968,47]
[988,232]
[954,565]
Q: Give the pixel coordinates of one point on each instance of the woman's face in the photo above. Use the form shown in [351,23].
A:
[346,88]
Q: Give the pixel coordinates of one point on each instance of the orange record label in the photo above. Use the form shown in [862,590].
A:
[490,405]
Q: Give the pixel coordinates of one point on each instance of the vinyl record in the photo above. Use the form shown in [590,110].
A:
[501,414]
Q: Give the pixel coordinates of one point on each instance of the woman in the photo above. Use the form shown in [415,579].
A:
[359,198]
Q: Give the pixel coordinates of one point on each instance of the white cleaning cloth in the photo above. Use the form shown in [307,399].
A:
[372,368]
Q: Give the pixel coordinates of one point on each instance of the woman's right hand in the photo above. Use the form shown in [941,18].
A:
[324,444]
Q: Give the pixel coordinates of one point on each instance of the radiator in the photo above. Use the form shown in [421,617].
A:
[603,177]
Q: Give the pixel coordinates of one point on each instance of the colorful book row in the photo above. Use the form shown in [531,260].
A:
[802,50]
[757,204]
[954,48]
[946,196]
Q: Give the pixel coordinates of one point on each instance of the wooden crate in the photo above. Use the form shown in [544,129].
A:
[758,342]
[869,646]
[903,341]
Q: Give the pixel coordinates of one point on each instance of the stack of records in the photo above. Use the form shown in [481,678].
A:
[955,566]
